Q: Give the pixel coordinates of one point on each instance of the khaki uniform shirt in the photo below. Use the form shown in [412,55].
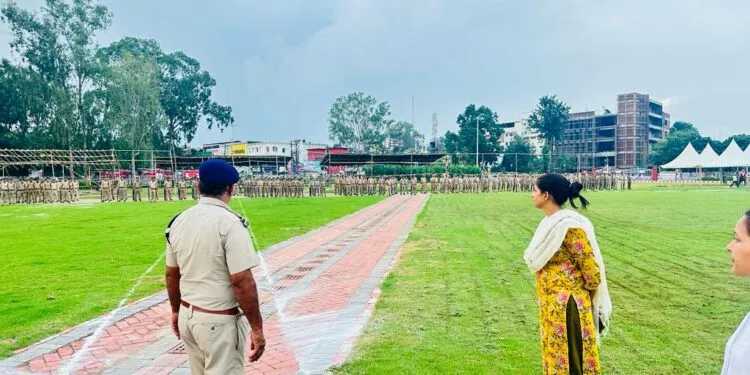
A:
[208,242]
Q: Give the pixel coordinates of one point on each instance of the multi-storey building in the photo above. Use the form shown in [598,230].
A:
[521,128]
[621,140]
[641,122]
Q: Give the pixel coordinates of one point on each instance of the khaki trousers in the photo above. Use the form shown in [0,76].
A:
[215,343]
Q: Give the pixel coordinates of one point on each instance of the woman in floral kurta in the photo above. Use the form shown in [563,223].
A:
[563,290]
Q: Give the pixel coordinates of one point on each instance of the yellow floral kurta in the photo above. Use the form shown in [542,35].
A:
[571,272]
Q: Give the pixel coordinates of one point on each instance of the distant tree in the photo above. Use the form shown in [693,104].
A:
[680,126]
[404,137]
[185,97]
[465,141]
[133,108]
[518,156]
[565,164]
[549,119]
[669,148]
[743,140]
[59,43]
[359,121]
[24,104]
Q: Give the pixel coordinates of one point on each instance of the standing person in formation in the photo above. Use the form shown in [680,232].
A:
[168,189]
[112,189]
[153,188]
[137,189]
[64,191]
[194,189]
[4,188]
[571,285]
[182,189]
[209,278]
[76,189]
[103,189]
[122,190]
[737,351]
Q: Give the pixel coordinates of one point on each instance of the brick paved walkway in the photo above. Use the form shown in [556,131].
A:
[324,283]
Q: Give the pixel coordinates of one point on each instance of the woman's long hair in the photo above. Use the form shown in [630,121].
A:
[561,189]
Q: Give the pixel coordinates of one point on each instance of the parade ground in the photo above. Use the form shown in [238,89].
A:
[407,284]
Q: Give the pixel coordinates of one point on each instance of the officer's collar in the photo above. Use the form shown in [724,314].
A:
[212,201]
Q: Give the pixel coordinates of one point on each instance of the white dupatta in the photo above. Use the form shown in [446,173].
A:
[546,242]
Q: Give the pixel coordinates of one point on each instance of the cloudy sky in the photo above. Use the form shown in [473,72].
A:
[280,64]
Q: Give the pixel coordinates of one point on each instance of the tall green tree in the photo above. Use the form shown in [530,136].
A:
[184,89]
[549,119]
[59,43]
[359,121]
[133,109]
[475,125]
[404,137]
[682,126]
[24,98]
[186,98]
[518,156]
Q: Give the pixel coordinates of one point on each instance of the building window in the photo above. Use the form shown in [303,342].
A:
[283,150]
[275,149]
[267,149]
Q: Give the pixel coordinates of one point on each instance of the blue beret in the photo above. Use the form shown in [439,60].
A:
[218,172]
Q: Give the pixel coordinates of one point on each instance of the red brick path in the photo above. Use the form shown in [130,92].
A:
[350,249]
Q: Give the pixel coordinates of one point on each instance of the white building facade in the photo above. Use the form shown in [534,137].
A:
[521,128]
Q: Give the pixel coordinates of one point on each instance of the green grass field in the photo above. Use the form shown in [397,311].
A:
[461,300]
[63,265]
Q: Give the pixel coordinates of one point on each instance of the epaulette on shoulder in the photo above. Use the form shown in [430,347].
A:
[243,220]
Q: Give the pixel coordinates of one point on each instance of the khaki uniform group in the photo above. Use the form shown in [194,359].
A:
[452,184]
[112,190]
[45,190]
[266,187]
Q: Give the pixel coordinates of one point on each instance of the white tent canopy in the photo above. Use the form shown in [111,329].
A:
[688,158]
[708,158]
[733,156]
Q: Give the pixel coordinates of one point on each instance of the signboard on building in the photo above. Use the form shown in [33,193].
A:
[238,149]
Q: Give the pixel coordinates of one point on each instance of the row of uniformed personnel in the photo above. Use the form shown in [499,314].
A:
[44,190]
[362,185]
[262,187]
[117,189]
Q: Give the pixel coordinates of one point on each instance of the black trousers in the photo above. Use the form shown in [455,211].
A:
[575,338]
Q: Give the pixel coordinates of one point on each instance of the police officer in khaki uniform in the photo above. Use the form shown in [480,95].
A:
[137,187]
[153,190]
[210,284]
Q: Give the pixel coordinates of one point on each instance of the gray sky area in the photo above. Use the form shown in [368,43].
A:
[280,64]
